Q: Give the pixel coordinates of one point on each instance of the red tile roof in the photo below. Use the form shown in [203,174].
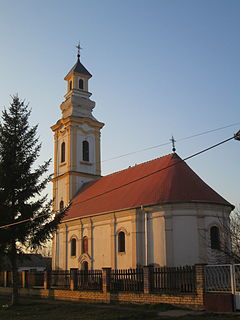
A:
[163,180]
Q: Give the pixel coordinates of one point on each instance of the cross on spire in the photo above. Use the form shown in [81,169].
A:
[79,48]
[173,144]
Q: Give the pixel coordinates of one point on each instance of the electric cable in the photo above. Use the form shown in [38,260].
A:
[133,181]
[167,143]
[154,172]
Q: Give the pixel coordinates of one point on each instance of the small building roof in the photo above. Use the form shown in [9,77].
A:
[164,180]
[79,68]
[27,260]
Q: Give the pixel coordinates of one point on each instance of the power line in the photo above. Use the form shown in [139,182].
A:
[133,181]
[22,221]
[168,143]
[154,172]
[209,131]
[26,220]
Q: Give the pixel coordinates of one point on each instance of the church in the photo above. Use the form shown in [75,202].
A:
[158,213]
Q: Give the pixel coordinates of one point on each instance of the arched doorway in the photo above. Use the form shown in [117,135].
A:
[85,266]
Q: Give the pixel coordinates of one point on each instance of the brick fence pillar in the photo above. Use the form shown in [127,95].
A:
[200,281]
[47,279]
[5,279]
[106,278]
[147,278]
[24,279]
[73,279]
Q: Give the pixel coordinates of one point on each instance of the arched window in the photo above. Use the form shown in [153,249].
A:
[61,205]
[121,241]
[215,238]
[85,150]
[84,245]
[70,85]
[73,247]
[63,152]
[80,84]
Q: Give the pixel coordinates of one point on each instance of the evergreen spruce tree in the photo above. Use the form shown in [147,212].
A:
[24,212]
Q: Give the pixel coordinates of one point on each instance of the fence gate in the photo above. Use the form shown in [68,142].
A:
[224,278]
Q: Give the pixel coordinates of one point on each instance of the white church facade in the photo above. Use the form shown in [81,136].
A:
[156,213]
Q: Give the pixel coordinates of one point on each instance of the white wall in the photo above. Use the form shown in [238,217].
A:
[178,235]
[157,244]
[101,245]
[124,259]
[91,166]
[185,240]
[187,232]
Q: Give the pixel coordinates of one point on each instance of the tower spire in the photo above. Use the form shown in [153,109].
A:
[79,48]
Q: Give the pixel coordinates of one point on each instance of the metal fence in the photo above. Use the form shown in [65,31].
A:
[177,280]
[158,280]
[89,280]
[34,278]
[219,278]
[127,280]
[1,279]
[60,279]
[237,277]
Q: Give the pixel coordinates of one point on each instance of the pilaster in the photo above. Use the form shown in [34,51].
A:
[90,240]
[134,239]
[113,241]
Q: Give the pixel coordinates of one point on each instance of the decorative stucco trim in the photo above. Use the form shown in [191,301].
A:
[85,257]
[122,229]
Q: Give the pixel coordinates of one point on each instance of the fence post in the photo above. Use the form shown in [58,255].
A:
[23,279]
[47,279]
[233,278]
[73,279]
[106,278]
[200,281]
[147,278]
[5,279]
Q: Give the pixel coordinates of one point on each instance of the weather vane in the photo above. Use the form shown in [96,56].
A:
[173,144]
[79,48]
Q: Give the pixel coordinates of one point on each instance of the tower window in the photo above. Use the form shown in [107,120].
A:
[63,152]
[61,205]
[215,238]
[80,83]
[70,85]
[121,241]
[85,150]
[85,245]
[73,247]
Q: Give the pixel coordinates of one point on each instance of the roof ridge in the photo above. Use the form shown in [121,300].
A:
[88,184]
[140,164]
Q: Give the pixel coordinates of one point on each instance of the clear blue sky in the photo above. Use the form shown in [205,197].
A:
[160,67]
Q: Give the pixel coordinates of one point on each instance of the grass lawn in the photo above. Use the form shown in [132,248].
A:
[57,310]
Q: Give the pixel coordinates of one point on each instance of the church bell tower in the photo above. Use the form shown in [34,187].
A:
[76,139]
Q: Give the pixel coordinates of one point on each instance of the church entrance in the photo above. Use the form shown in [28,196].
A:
[85,266]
